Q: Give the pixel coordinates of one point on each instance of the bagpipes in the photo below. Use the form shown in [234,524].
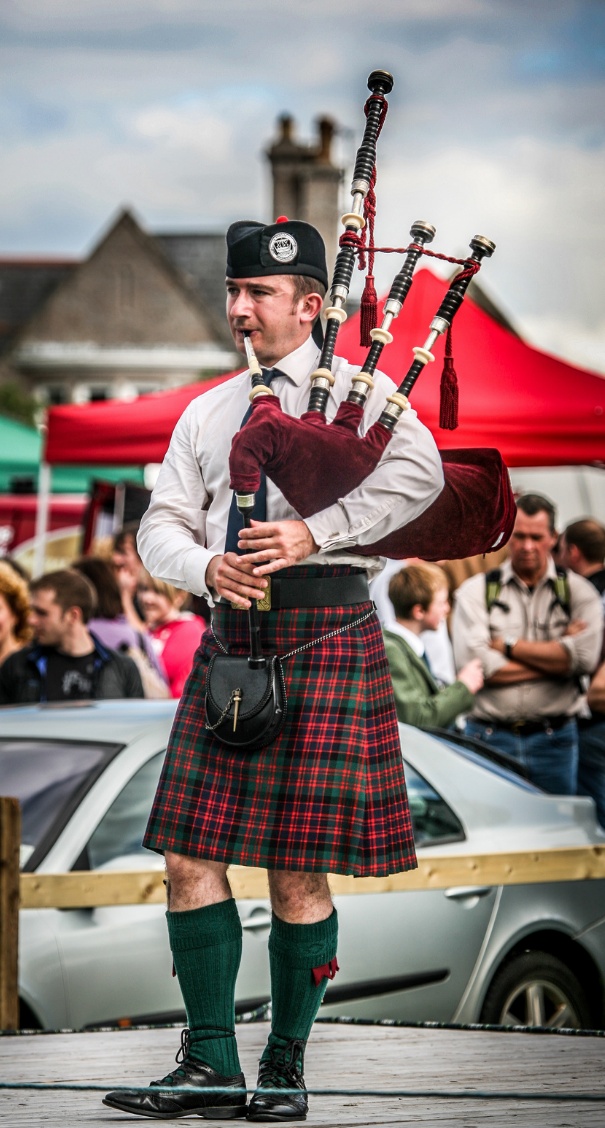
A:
[314,463]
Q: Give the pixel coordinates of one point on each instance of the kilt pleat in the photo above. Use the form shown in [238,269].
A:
[329,794]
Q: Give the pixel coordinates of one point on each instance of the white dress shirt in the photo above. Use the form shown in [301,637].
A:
[186,523]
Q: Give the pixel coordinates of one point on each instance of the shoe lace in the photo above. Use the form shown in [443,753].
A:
[178,1074]
[283,1067]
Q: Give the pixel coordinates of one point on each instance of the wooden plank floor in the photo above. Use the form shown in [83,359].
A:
[354,1057]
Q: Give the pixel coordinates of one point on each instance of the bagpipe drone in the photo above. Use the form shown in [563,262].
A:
[314,463]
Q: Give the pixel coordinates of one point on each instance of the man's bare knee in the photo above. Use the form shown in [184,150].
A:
[195,882]
[300,898]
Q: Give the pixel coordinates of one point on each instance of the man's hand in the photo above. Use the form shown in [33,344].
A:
[575,627]
[230,576]
[271,545]
[549,659]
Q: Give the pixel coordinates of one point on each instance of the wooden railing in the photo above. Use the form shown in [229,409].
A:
[89,889]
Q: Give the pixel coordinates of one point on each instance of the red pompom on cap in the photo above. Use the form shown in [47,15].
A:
[282,219]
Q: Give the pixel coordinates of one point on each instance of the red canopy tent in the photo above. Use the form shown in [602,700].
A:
[537,410]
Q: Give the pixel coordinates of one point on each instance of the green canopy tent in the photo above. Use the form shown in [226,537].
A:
[20,456]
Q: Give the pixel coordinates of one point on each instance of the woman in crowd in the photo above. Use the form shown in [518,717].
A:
[176,633]
[113,629]
[14,611]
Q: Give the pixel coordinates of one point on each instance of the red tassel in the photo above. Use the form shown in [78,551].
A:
[448,403]
[326,971]
[368,312]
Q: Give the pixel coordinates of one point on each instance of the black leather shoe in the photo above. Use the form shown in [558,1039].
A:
[189,1074]
[282,1070]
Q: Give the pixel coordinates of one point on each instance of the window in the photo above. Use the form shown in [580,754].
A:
[98,393]
[56,394]
[433,821]
[121,829]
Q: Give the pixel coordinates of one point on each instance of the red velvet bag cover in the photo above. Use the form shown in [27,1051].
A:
[314,463]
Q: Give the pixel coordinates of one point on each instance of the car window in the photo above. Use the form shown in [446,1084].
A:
[50,779]
[433,821]
[121,829]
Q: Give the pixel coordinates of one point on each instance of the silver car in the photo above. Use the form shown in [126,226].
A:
[529,954]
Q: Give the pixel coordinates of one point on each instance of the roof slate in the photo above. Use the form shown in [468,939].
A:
[24,287]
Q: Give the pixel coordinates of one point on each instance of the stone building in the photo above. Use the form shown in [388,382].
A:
[141,313]
[146,311]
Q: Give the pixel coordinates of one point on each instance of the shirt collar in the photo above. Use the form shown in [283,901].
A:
[549,576]
[413,640]
[298,364]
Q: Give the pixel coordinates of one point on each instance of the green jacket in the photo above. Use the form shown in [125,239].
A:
[418,698]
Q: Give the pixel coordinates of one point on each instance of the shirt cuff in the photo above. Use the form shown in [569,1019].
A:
[492,661]
[194,571]
[568,642]
[330,528]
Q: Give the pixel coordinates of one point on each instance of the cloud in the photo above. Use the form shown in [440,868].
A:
[495,125]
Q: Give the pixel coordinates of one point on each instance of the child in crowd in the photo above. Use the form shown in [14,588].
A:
[420,598]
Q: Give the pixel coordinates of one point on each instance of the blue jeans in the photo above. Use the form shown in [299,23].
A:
[550,756]
[591,767]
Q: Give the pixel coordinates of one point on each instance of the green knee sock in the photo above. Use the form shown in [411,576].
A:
[207,947]
[294,950]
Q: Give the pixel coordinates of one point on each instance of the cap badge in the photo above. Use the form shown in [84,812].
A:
[283,247]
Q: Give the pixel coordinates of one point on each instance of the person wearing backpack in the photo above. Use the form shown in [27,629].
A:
[537,629]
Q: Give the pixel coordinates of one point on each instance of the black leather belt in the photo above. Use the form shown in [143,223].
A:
[529,728]
[286,592]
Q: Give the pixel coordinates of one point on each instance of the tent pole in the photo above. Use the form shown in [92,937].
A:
[44,483]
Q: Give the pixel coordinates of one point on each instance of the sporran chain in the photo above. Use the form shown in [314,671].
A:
[314,642]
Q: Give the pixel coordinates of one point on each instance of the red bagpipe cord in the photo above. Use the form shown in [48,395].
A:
[369,300]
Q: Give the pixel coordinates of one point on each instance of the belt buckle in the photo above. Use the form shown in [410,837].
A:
[264,604]
[517,726]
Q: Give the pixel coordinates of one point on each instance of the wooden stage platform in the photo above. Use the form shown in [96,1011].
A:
[339,1056]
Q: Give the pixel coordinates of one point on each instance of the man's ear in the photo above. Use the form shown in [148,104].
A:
[418,612]
[310,307]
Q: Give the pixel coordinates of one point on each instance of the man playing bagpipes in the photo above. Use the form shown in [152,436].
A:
[284,752]
[328,795]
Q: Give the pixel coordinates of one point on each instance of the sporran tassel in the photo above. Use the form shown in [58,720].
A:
[448,402]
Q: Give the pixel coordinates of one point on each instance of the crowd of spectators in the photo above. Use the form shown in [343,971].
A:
[521,665]
[530,633]
[97,629]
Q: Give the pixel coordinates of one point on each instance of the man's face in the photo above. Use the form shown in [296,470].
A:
[266,307]
[531,545]
[49,622]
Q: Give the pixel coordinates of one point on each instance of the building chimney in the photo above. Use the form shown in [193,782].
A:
[305,180]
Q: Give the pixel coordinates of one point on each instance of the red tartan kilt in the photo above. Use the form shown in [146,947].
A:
[329,794]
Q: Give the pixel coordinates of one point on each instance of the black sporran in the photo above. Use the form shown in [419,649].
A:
[245,707]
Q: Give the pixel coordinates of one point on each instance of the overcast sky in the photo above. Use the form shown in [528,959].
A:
[496,126]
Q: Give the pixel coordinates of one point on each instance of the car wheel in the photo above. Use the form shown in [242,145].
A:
[536,989]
